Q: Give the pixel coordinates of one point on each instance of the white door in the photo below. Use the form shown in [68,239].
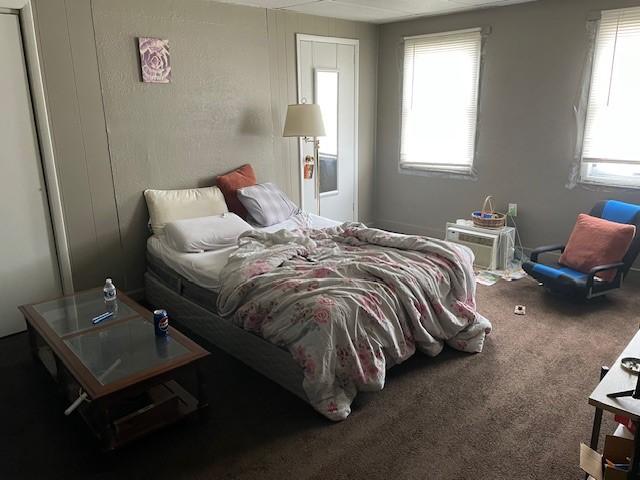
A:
[328,76]
[28,263]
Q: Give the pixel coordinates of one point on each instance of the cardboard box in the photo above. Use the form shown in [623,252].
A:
[616,449]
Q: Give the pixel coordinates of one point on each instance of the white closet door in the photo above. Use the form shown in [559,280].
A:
[28,263]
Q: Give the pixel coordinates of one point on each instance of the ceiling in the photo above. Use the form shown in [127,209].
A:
[375,11]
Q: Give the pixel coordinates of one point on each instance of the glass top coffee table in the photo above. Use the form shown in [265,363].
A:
[120,376]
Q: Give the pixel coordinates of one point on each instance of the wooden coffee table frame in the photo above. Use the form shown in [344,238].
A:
[73,377]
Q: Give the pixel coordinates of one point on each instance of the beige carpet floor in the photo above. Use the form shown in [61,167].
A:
[517,410]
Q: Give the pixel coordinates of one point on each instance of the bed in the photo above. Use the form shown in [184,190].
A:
[189,287]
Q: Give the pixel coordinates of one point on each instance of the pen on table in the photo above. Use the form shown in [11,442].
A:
[101,317]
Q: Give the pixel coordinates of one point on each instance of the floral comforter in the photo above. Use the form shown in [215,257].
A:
[349,302]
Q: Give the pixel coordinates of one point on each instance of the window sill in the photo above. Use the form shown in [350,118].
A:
[430,171]
[608,183]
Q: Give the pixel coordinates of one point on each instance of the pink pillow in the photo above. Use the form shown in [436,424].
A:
[594,242]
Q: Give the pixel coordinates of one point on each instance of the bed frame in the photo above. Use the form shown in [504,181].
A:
[194,308]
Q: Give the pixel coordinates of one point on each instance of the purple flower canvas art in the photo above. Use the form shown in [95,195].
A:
[155,62]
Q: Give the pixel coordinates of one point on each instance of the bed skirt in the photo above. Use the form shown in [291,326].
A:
[271,361]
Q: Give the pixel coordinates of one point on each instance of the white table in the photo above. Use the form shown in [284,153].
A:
[618,379]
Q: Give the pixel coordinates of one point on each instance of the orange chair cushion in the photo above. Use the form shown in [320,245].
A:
[595,241]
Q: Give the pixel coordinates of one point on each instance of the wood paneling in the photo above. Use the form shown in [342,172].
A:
[234,73]
[74,99]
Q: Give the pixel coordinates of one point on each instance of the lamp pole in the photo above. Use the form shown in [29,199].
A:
[316,160]
[304,120]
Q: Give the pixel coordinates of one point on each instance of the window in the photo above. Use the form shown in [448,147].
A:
[327,97]
[326,93]
[611,145]
[440,101]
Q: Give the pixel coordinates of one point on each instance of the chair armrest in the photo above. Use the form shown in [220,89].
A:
[603,268]
[549,248]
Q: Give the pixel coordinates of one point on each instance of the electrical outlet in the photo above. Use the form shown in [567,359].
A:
[513,209]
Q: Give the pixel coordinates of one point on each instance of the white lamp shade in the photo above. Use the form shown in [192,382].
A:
[304,120]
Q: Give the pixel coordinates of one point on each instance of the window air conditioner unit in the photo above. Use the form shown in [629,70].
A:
[493,248]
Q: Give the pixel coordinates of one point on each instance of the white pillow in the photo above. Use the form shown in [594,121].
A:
[267,204]
[169,205]
[202,234]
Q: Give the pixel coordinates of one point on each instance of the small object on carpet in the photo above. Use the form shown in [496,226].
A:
[520,310]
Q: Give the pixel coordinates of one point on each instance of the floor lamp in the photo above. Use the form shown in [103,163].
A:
[304,120]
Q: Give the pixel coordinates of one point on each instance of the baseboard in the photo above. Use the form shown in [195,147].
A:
[368,223]
[556,256]
[413,229]
[137,295]
[409,228]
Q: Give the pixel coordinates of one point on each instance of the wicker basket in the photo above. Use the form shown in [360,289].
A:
[488,217]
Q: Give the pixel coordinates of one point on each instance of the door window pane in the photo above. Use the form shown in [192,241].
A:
[327,98]
[328,173]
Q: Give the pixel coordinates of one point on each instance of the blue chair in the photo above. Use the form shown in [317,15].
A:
[566,281]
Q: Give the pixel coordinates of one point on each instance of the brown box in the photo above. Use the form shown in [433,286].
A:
[616,449]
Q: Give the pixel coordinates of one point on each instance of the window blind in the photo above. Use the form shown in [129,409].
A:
[440,99]
[613,112]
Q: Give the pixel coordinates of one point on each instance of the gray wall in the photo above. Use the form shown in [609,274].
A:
[533,66]
[233,75]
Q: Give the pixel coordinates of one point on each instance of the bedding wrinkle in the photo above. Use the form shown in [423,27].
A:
[349,302]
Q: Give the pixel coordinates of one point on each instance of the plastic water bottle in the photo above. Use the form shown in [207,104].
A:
[109,291]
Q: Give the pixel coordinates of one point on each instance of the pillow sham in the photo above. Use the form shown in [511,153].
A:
[267,204]
[195,235]
[595,241]
[231,182]
[170,205]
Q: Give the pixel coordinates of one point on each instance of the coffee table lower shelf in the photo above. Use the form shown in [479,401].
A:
[126,415]
[159,406]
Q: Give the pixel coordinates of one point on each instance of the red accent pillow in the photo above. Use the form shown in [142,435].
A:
[595,241]
[231,182]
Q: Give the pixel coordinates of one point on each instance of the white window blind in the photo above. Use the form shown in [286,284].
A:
[611,146]
[440,100]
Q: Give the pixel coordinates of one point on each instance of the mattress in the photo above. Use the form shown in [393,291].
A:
[271,361]
[178,282]
[203,269]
